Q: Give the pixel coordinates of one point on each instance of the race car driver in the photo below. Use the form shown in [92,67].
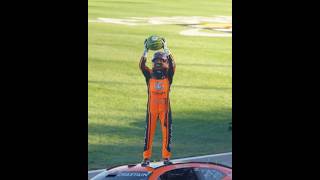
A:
[159,80]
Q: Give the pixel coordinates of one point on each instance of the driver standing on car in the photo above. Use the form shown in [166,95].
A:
[158,80]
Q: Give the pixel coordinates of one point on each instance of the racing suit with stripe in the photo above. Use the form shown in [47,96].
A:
[158,106]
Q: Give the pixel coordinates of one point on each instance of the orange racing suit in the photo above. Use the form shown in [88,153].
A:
[158,106]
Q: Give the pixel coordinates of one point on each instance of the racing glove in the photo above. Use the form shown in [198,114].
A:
[145,51]
[165,47]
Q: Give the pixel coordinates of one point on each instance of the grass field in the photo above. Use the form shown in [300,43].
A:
[201,93]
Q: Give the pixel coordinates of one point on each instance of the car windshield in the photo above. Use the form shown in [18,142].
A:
[192,174]
[205,173]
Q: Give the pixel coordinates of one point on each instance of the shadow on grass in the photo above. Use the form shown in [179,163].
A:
[103,156]
[194,133]
[120,131]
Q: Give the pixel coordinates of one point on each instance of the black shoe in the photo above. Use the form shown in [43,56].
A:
[167,161]
[145,162]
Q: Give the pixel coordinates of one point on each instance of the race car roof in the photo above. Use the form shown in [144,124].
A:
[155,165]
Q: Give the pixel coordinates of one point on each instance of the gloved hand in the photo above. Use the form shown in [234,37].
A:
[165,47]
[145,51]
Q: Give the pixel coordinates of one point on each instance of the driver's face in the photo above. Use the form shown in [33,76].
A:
[161,62]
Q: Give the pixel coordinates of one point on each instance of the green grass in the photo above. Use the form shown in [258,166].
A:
[146,8]
[201,93]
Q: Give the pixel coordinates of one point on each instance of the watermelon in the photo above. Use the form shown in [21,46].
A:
[154,42]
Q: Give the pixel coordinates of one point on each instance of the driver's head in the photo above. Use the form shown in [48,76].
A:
[160,65]
[160,60]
